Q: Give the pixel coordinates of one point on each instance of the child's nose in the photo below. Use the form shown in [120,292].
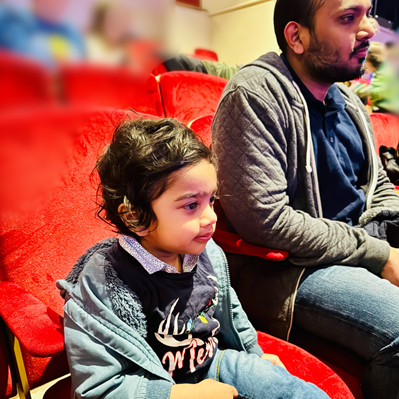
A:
[209,216]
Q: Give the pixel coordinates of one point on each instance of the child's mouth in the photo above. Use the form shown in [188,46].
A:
[205,237]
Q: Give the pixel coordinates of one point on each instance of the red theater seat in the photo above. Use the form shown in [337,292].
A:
[206,54]
[202,127]
[189,95]
[47,229]
[113,87]
[304,365]
[47,221]
[24,82]
[386,130]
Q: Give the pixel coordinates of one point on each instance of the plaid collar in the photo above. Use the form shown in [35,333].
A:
[149,261]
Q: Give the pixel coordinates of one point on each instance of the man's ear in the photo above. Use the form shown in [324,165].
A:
[294,34]
[126,217]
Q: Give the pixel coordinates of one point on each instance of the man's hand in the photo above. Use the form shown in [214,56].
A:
[391,269]
[274,359]
[206,389]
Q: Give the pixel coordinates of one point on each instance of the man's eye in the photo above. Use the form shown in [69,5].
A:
[348,18]
[191,206]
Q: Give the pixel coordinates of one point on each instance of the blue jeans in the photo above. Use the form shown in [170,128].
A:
[256,378]
[359,310]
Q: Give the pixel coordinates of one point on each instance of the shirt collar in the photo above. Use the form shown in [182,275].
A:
[150,263]
[334,100]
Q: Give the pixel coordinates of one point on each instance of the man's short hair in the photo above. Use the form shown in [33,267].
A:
[301,11]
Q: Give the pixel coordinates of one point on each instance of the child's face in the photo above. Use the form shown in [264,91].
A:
[186,220]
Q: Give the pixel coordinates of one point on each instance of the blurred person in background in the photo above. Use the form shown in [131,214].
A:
[108,38]
[116,38]
[383,86]
[40,33]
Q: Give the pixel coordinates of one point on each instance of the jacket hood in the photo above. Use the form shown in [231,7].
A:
[272,63]
[122,300]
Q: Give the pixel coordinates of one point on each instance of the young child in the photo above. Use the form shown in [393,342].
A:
[151,314]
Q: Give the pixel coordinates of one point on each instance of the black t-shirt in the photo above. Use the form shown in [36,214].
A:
[179,308]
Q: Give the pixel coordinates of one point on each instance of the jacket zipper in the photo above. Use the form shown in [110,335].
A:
[374,166]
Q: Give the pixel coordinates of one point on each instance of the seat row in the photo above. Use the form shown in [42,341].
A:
[47,221]
[182,95]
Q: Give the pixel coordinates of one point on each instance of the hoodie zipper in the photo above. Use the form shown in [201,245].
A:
[309,151]
[374,165]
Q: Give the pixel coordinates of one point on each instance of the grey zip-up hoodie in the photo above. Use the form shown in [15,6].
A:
[267,176]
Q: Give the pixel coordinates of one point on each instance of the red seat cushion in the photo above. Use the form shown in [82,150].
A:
[305,366]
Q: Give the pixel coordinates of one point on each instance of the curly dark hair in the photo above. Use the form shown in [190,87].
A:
[138,166]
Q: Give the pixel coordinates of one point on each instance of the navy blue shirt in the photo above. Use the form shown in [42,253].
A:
[179,309]
[339,154]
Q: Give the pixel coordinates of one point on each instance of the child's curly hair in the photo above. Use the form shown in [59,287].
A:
[138,166]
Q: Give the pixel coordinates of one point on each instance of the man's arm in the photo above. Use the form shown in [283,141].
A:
[251,144]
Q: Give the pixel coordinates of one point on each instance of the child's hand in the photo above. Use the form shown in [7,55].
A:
[212,389]
[206,389]
[274,359]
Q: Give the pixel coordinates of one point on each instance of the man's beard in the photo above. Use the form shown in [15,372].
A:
[325,63]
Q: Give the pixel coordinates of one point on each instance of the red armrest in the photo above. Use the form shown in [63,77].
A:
[38,328]
[233,243]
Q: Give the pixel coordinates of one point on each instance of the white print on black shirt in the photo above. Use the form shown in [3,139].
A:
[199,350]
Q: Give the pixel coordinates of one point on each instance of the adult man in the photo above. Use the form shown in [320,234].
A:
[298,172]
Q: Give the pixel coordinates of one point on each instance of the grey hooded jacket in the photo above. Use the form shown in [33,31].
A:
[105,329]
[268,180]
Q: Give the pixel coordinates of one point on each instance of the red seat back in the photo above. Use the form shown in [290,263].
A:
[386,130]
[48,203]
[114,87]
[206,54]
[189,95]
[202,127]
[24,82]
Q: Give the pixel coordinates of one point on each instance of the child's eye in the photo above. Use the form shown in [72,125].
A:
[213,199]
[191,206]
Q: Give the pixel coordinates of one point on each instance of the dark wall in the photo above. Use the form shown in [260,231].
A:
[387,12]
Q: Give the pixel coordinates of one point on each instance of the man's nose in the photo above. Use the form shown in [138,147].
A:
[366,29]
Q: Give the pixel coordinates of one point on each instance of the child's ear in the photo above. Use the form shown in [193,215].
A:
[126,217]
